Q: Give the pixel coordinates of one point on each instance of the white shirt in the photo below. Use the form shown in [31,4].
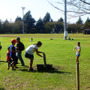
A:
[78,48]
[31,49]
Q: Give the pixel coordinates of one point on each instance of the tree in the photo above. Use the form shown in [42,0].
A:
[60,20]
[88,20]
[18,27]
[79,21]
[87,24]
[47,18]
[1,27]
[18,19]
[40,26]
[59,27]
[6,21]
[54,27]
[75,8]
[29,21]
[6,27]
[49,27]
[86,2]
[73,28]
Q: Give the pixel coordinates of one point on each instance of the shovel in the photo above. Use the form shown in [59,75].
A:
[45,66]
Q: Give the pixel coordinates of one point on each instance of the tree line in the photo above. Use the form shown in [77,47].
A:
[45,25]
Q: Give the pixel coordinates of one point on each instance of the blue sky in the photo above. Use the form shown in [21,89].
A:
[10,9]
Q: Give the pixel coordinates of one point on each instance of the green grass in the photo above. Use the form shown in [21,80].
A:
[58,52]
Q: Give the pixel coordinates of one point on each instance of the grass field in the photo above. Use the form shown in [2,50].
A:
[59,53]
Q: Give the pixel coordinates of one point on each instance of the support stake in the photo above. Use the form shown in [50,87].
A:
[77,75]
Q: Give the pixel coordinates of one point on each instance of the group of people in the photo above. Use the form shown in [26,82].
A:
[15,53]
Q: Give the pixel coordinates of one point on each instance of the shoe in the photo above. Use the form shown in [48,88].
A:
[31,69]
[16,67]
[22,65]
[13,69]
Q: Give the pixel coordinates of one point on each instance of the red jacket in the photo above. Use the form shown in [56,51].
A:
[8,56]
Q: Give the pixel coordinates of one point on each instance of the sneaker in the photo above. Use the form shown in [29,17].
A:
[22,65]
[16,67]
[31,69]
[13,69]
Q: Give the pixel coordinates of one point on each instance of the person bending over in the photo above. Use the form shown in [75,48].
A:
[29,53]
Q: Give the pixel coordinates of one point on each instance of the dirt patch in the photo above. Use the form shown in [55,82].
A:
[7,36]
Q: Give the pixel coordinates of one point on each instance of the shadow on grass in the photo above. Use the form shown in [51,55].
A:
[3,61]
[26,66]
[53,70]
[23,68]
[2,88]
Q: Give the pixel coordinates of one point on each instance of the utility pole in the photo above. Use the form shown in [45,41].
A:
[65,20]
[23,18]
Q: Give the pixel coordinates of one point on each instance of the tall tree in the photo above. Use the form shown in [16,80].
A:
[47,18]
[1,27]
[79,21]
[60,20]
[29,21]
[18,19]
[87,24]
[6,26]
[88,20]
[40,26]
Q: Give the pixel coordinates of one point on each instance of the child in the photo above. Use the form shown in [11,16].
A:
[13,52]
[78,50]
[8,59]
[29,53]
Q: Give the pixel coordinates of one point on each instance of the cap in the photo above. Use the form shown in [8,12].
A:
[14,40]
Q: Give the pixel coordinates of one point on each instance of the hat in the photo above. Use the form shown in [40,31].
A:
[14,40]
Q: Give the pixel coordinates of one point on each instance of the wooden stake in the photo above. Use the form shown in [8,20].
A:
[44,58]
[77,75]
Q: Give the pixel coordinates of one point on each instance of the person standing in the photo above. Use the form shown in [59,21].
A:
[8,59]
[20,47]
[13,52]
[78,50]
[29,53]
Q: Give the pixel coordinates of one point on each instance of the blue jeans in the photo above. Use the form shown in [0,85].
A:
[20,57]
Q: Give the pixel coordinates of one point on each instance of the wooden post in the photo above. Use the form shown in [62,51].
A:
[44,58]
[77,75]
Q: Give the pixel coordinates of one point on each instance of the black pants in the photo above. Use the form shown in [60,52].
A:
[28,55]
[15,59]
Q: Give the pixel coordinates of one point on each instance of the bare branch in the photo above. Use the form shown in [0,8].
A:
[55,6]
[85,2]
[75,8]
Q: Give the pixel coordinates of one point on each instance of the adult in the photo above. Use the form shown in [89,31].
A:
[19,50]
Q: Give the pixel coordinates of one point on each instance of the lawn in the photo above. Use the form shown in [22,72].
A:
[59,53]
